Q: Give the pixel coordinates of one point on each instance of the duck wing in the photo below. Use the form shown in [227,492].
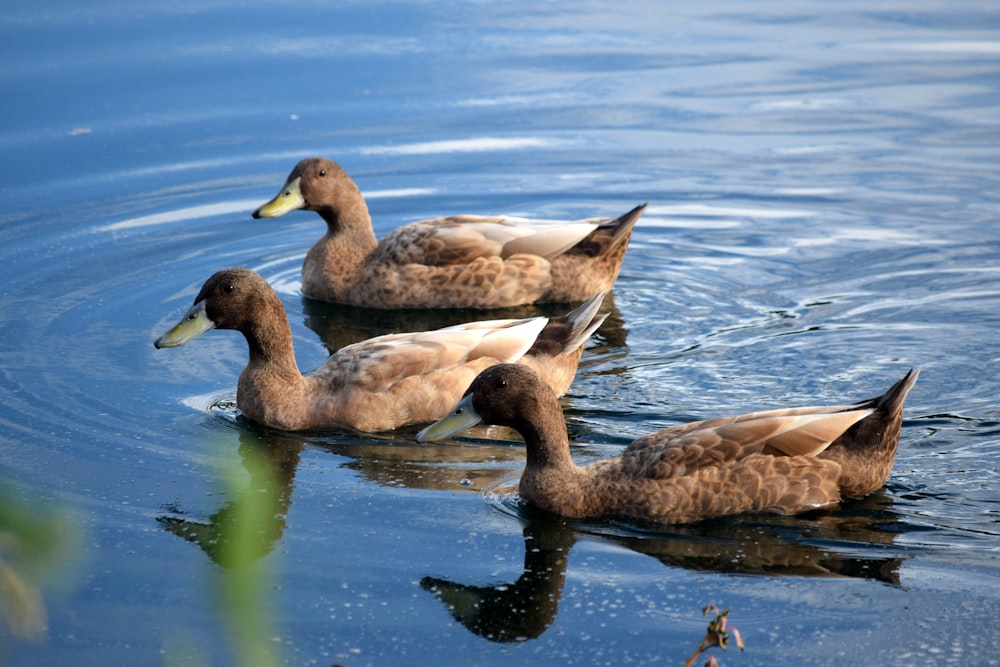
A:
[380,362]
[680,450]
[464,238]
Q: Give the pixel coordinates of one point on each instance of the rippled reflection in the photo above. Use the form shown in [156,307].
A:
[237,537]
[844,544]
[262,502]
[522,609]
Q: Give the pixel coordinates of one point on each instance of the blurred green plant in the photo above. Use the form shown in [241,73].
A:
[244,584]
[238,538]
[38,543]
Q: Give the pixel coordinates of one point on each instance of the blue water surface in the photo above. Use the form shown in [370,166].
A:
[824,205]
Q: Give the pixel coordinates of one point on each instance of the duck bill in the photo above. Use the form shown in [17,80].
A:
[289,199]
[461,417]
[194,323]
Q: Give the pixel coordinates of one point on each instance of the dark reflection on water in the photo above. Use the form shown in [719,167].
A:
[264,501]
[429,467]
[843,543]
[821,546]
[237,537]
[519,610]
[854,541]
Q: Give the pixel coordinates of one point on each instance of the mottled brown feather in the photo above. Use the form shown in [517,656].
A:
[703,469]
[383,382]
[458,261]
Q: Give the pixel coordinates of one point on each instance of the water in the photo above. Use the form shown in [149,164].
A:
[823,215]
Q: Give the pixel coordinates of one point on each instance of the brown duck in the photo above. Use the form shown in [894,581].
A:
[786,461]
[461,261]
[379,383]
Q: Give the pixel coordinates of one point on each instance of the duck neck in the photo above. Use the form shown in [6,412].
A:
[335,263]
[550,479]
[349,222]
[545,438]
[269,338]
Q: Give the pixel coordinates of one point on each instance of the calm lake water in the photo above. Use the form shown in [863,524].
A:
[824,202]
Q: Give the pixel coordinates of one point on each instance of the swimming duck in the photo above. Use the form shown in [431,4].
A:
[787,461]
[379,383]
[461,261]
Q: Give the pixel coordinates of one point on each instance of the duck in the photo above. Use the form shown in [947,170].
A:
[462,261]
[785,461]
[380,383]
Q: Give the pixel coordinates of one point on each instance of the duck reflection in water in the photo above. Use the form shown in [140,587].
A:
[769,545]
[525,608]
[271,459]
[246,528]
[521,610]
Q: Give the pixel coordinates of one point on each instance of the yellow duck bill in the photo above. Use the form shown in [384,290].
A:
[194,323]
[461,417]
[289,199]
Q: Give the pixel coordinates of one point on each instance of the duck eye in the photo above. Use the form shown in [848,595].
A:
[322,172]
[228,288]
